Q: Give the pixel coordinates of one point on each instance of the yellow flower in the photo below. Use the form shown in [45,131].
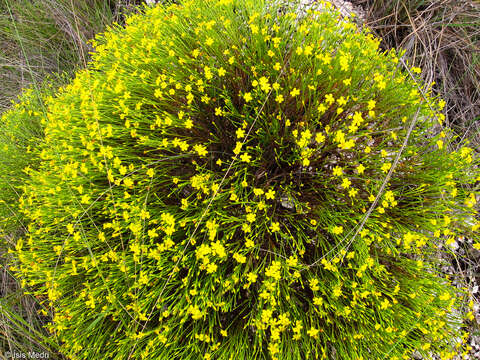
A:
[211,268]
[247,96]
[252,277]
[240,133]
[416,70]
[337,230]
[329,99]
[360,169]
[385,304]
[292,261]
[261,205]
[346,183]
[270,194]
[386,167]
[70,229]
[264,84]
[238,147]
[239,258]
[340,137]
[319,138]
[85,199]
[317,301]
[251,217]
[195,312]
[274,270]
[337,171]
[200,149]
[208,73]
[313,332]
[341,101]
[445,296]
[245,157]
[218,249]
[275,227]
[258,191]
[353,192]
[294,92]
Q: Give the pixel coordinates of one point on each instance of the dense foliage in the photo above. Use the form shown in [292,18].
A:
[228,180]
[20,133]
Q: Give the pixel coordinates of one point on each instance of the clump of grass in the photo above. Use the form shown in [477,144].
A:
[442,38]
[226,180]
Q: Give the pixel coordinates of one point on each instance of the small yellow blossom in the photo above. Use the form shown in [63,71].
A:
[360,168]
[346,183]
[245,157]
[251,277]
[239,258]
[270,194]
[337,230]
[275,227]
[386,167]
[294,92]
[313,332]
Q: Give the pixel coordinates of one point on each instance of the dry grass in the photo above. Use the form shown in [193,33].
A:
[443,38]
[39,38]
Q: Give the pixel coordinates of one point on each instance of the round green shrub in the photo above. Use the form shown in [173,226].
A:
[228,181]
